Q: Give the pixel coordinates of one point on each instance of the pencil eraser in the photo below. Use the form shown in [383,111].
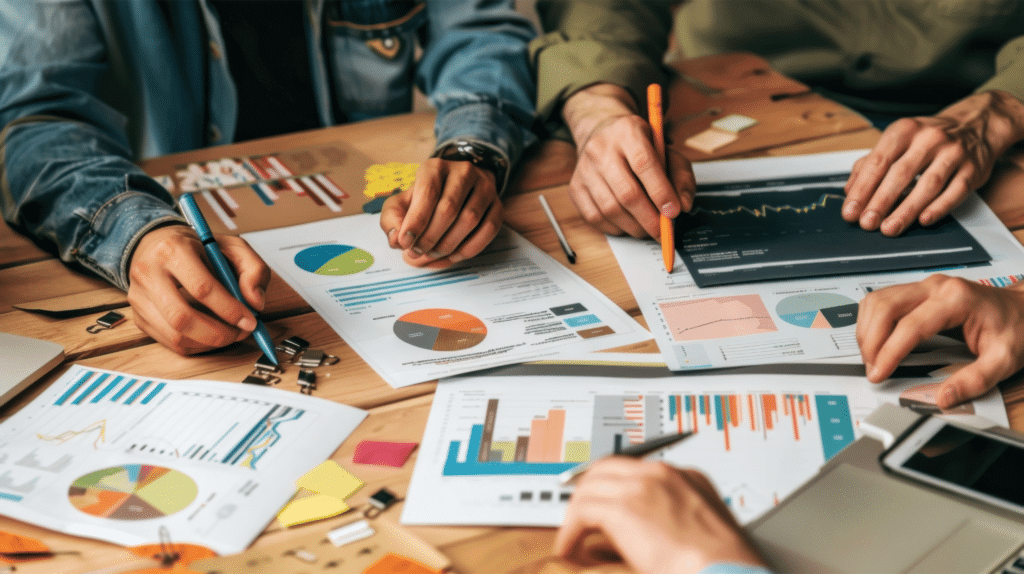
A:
[734,123]
[708,141]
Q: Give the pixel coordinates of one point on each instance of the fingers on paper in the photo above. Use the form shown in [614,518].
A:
[895,320]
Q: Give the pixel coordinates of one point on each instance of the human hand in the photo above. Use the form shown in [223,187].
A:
[451,213]
[657,518]
[892,321]
[619,185]
[941,158]
[169,260]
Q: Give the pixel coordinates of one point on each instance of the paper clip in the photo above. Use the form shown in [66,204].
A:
[307,381]
[313,358]
[107,321]
[379,502]
[264,373]
[293,346]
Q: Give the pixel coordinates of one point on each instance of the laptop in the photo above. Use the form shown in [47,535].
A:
[23,361]
[854,516]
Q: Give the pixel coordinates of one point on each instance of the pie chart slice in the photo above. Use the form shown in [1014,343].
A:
[818,311]
[132,492]
[333,259]
[440,329]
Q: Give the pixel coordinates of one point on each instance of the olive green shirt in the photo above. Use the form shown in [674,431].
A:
[900,56]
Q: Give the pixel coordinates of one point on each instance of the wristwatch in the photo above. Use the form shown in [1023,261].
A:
[481,156]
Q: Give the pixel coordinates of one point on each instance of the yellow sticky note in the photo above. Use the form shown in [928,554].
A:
[330,478]
[310,508]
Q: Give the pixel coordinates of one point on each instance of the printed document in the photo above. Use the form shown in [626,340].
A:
[511,303]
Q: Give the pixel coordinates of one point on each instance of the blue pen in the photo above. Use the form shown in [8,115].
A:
[195,218]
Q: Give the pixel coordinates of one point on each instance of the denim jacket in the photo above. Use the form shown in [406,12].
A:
[88,86]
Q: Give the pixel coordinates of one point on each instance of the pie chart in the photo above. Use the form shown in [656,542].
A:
[440,329]
[333,259]
[132,492]
[818,311]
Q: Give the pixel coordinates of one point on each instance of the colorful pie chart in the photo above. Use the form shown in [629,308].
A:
[333,259]
[132,492]
[440,329]
[818,310]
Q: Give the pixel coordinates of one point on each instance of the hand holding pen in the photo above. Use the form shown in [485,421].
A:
[178,301]
[225,274]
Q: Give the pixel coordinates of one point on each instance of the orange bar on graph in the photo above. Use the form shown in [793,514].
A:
[556,430]
[538,440]
[753,416]
[793,413]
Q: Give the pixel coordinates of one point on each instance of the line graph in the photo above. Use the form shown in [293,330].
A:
[101,436]
[765,208]
[717,318]
[783,231]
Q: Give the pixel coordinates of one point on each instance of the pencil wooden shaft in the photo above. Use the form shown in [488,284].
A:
[654,116]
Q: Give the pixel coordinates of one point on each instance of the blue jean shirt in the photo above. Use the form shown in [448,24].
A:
[89,86]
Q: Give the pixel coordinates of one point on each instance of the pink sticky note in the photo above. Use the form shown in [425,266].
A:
[383,452]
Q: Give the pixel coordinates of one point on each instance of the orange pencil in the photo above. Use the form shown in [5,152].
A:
[668,242]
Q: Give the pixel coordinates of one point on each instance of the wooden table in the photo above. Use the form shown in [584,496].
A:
[31,278]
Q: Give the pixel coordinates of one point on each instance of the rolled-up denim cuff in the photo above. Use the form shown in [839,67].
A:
[481,119]
[117,227]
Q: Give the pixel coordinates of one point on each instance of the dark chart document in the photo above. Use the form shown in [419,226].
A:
[792,228]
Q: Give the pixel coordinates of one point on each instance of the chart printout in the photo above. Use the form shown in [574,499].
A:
[116,457]
[509,304]
[783,320]
[784,228]
[496,441]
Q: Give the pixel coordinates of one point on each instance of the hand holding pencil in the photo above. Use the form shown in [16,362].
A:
[617,186]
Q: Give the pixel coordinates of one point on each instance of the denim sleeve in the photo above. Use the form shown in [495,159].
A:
[475,71]
[66,175]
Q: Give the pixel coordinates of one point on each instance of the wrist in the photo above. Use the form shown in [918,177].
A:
[478,154]
[1000,115]
[589,107]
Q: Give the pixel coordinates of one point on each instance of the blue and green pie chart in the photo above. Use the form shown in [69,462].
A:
[333,259]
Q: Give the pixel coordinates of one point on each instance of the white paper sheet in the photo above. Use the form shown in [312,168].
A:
[551,415]
[116,457]
[780,321]
[511,303]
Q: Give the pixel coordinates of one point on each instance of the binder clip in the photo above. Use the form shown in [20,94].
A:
[307,381]
[264,373]
[293,347]
[313,358]
[107,321]
[379,502]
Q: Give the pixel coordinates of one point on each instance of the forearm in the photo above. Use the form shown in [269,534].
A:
[71,187]
[588,42]
[589,107]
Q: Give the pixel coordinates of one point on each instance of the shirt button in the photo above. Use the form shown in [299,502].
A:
[214,133]
[215,50]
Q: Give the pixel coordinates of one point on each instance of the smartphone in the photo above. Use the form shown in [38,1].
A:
[962,459]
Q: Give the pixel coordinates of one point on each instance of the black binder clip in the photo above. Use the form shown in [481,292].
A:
[264,373]
[293,346]
[107,321]
[379,502]
[313,358]
[307,381]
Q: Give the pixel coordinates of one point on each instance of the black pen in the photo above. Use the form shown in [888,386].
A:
[636,451]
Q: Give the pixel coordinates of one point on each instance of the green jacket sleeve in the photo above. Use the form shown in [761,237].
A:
[588,42]
[1009,75]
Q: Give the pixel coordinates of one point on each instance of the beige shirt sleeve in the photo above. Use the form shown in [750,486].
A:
[587,42]
[1009,76]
